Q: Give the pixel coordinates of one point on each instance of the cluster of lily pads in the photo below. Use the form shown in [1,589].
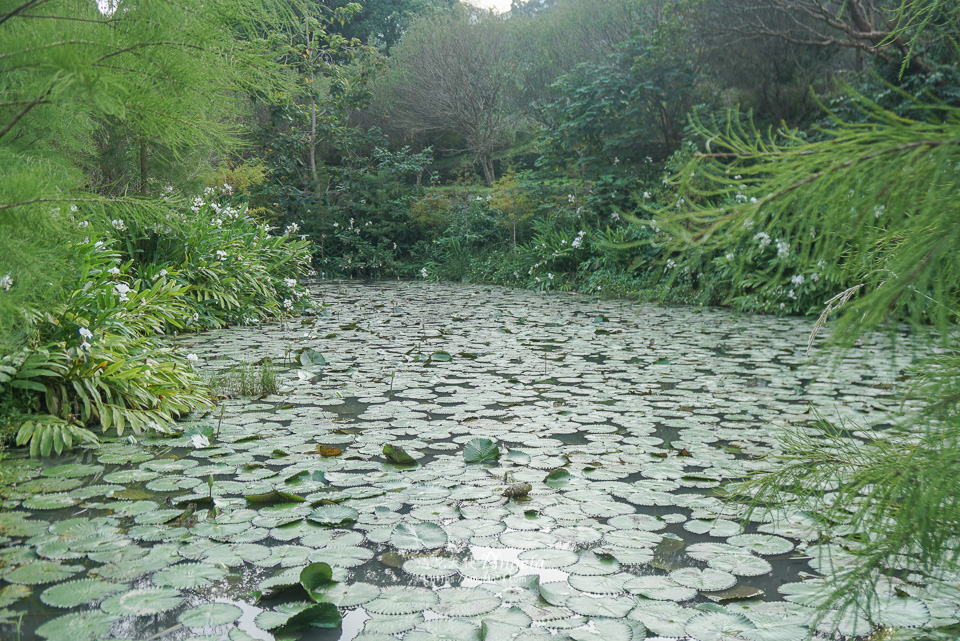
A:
[447,462]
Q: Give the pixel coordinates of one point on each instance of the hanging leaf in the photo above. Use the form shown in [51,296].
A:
[310,358]
[315,576]
[321,615]
[397,455]
[480,450]
[557,478]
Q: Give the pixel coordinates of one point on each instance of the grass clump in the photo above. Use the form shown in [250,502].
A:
[245,379]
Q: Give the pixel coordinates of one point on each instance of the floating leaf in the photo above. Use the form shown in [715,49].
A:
[595,606]
[418,536]
[718,626]
[74,593]
[707,579]
[466,602]
[480,450]
[189,575]
[39,572]
[433,567]
[77,626]
[210,615]
[402,599]
[333,515]
[142,602]
[444,630]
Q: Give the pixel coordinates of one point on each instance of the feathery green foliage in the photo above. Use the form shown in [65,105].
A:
[876,203]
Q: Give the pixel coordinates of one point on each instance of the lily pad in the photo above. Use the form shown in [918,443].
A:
[74,593]
[210,615]
[77,626]
[142,602]
[418,536]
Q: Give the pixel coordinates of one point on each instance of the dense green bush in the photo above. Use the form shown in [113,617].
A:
[95,357]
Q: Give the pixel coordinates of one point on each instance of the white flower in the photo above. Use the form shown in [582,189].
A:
[6,282]
[646,194]
[115,271]
[200,441]
[221,255]
[196,316]
[536,278]
[571,198]
[729,256]
[878,211]
[193,358]
[764,239]
[290,282]
[797,280]
[84,345]
[122,290]
[792,294]
[85,333]
[287,304]
[118,224]
[815,278]
[671,263]
[783,248]
[576,242]
[162,273]
[83,224]
[550,276]
[336,224]
[423,272]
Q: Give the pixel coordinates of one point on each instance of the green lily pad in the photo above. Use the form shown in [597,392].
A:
[74,593]
[210,615]
[142,602]
[40,572]
[418,536]
[333,515]
[77,626]
[185,576]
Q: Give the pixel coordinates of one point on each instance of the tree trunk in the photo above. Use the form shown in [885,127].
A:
[486,161]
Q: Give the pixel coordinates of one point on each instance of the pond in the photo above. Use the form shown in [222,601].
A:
[617,426]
